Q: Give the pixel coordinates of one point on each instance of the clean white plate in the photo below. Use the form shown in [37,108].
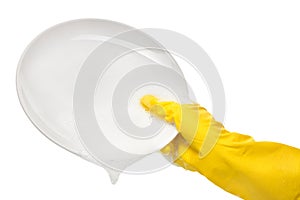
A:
[57,67]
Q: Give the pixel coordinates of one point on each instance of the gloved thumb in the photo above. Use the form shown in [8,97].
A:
[167,111]
[184,117]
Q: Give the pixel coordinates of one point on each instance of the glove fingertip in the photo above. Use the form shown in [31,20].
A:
[148,101]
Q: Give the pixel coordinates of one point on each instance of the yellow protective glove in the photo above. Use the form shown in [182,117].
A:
[235,162]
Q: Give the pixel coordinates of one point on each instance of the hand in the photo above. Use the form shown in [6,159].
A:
[233,161]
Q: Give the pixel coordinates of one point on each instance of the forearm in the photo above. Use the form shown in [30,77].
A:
[253,170]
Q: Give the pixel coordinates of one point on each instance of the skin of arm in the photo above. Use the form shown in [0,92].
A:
[236,162]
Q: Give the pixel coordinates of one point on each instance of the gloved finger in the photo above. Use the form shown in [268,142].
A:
[185,117]
[179,152]
[172,149]
[167,111]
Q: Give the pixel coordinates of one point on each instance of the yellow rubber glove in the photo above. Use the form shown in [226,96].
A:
[238,164]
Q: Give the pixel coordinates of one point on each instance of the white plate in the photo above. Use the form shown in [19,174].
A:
[64,72]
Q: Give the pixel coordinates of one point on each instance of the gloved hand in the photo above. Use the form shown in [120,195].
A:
[235,162]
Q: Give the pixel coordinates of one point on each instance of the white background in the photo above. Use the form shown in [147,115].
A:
[255,46]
